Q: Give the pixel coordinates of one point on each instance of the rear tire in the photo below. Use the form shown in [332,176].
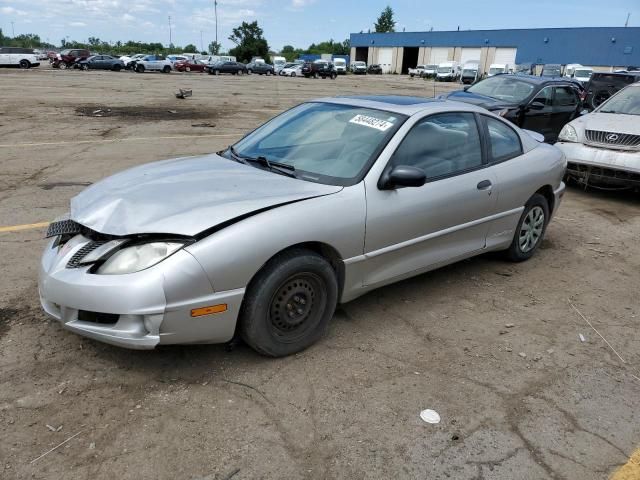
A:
[63,66]
[289,303]
[187,69]
[249,72]
[293,74]
[24,64]
[166,69]
[117,68]
[530,230]
[334,76]
[140,68]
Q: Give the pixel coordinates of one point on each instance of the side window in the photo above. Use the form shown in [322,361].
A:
[504,141]
[565,97]
[441,145]
[544,96]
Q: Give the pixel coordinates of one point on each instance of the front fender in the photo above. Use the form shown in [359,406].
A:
[232,256]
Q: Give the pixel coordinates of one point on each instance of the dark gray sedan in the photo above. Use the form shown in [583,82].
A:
[102,62]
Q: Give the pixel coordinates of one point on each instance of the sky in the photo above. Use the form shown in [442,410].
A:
[292,22]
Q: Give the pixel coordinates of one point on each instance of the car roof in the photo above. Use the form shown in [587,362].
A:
[405,105]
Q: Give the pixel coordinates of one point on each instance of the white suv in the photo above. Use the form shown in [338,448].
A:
[18,57]
[154,63]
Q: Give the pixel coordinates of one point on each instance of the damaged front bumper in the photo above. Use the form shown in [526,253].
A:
[139,310]
[601,166]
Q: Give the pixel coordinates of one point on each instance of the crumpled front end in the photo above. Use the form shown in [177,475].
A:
[592,165]
[136,310]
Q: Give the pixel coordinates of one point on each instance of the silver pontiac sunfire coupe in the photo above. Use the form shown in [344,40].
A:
[320,205]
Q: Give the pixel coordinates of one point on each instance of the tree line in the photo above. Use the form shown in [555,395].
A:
[248,39]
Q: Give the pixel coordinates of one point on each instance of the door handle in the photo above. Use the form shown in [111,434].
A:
[485,185]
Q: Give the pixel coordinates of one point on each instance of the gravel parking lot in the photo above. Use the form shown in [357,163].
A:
[494,347]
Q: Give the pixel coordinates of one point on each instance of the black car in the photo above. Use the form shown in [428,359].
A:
[319,69]
[235,68]
[260,68]
[543,105]
[603,85]
[101,62]
[374,69]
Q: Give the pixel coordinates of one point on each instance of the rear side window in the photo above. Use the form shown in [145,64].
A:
[566,97]
[504,142]
[442,145]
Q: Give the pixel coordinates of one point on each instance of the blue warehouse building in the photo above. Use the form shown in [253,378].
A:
[603,48]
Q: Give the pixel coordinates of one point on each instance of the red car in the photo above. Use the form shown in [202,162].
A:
[190,66]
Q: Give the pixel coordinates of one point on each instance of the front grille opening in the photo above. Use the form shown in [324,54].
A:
[74,261]
[98,317]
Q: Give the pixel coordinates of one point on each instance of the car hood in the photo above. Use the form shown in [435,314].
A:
[609,122]
[479,100]
[185,196]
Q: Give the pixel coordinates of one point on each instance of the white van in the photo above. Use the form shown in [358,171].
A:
[448,72]
[497,68]
[18,57]
[470,72]
[279,63]
[578,72]
[341,65]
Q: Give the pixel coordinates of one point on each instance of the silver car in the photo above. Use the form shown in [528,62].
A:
[321,204]
[603,147]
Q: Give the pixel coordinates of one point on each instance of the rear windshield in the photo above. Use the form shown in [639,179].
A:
[504,87]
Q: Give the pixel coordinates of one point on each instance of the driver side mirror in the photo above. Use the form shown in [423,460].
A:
[537,105]
[403,176]
[466,87]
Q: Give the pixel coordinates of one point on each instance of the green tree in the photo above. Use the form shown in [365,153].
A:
[214,48]
[385,22]
[191,48]
[249,42]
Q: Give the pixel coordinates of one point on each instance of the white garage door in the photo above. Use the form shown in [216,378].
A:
[469,54]
[439,55]
[506,56]
[385,58]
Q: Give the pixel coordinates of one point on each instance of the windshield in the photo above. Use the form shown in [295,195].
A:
[431,67]
[503,87]
[626,102]
[583,73]
[469,72]
[495,71]
[360,64]
[444,69]
[326,143]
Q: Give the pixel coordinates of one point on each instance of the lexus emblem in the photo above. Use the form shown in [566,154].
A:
[612,137]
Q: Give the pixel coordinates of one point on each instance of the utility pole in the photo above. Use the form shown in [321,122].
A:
[170,41]
[13,33]
[201,42]
[626,24]
[215,11]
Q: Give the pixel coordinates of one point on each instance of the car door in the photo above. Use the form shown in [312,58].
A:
[565,107]
[538,113]
[415,229]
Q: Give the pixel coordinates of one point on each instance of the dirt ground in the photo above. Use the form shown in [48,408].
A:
[493,347]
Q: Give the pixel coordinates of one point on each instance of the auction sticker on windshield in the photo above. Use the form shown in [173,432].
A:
[371,122]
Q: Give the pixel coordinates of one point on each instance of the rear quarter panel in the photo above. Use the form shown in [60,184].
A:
[518,179]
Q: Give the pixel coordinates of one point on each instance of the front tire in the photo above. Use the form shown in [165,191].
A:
[530,231]
[140,68]
[166,69]
[289,303]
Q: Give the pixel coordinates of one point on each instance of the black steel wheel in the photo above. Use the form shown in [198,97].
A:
[289,303]
[25,64]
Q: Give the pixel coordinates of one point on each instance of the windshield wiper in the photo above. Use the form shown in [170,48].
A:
[282,168]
